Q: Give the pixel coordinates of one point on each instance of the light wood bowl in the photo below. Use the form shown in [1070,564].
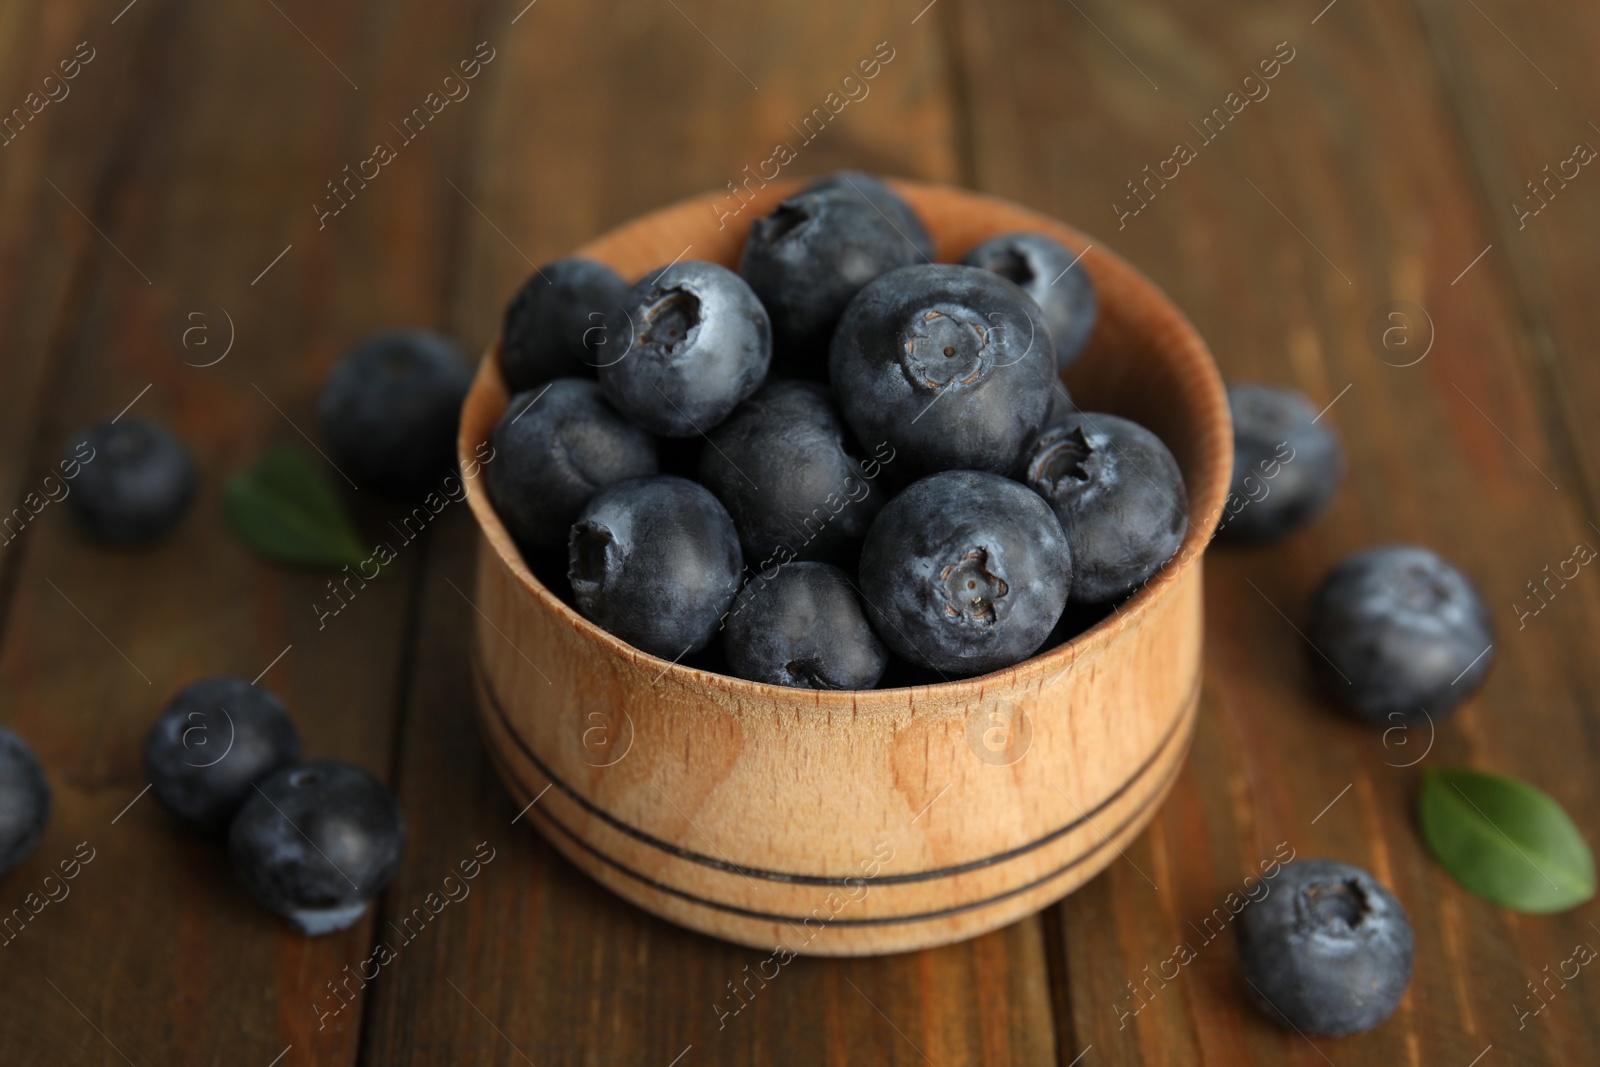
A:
[855,823]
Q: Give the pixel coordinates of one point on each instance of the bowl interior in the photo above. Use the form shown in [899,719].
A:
[1145,362]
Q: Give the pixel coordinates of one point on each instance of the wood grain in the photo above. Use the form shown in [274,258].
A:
[55,162]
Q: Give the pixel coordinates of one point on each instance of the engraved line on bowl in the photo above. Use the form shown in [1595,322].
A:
[1151,801]
[1106,839]
[1184,715]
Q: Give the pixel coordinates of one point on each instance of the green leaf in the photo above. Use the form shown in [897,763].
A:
[285,509]
[1504,840]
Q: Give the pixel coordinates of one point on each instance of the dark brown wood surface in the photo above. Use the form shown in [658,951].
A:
[1381,167]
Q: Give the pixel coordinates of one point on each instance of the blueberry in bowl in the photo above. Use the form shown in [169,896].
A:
[965,572]
[316,842]
[212,743]
[952,366]
[555,447]
[24,800]
[655,561]
[1287,464]
[877,192]
[761,768]
[1397,634]
[809,258]
[1327,950]
[691,341]
[390,408]
[783,465]
[1048,271]
[802,626]
[555,325]
[136,483]
[1119,495]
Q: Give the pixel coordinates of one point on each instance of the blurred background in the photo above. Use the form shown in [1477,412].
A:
[180,236]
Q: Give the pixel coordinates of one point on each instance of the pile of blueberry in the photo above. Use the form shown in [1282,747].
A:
[314,842]
[842,463]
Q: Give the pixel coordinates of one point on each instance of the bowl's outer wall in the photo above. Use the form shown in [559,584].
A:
[878,821]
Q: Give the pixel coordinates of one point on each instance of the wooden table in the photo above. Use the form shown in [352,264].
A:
[175,200]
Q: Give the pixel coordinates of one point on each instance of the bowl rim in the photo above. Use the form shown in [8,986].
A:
[1214,463]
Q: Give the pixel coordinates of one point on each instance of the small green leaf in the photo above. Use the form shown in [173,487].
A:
[1505,840]
[285,509]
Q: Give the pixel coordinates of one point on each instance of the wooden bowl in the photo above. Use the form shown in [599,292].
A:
[854,823]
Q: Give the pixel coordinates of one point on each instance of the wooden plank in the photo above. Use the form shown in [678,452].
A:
[63,140]
[1522,97]
[158,955]
[545,966]
[1284,237]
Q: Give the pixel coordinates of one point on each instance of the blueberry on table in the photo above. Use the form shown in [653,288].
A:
[952,366]
[1045,269]
[24,800]
[212,743]
[554,326]
[1286,464]
[1120,498]
[555,447]
[807,260]
[965,572]
[316,842]
[135,485]
[889,203]
[803,627]
[1327,951]
[782,467]
[690,342]
[656,562]
[1397,633]
[390,409]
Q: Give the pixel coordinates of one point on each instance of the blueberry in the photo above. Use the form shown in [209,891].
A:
[212,743]
[693,341]
[1056,416]
[1404,634]
[1286,465]
[135,485]
[555,326]
[555,448]
[1120,498]
[802,626]
[965,572]
[1327,950]
[316,842]
[952,366]
[1045,270]
[24,800]
[783,468]
[807,260]
[390,409]
[888,202]
[656,562]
